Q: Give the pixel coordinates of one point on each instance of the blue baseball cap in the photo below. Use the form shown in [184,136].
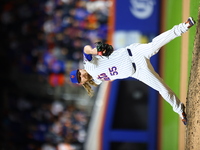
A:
[74,76]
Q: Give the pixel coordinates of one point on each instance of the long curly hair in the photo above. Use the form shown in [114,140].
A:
[87,85]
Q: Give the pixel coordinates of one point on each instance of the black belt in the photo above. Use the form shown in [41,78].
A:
[130,54]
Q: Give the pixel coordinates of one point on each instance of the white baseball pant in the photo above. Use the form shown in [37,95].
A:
[145,71]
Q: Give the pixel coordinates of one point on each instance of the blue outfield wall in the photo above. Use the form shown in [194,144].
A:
[141,19]
[148,136]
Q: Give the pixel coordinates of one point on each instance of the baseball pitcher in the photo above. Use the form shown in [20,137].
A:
[102,63]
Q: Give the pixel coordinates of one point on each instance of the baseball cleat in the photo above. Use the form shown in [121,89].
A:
[184,120]
[190,22]
[184,116]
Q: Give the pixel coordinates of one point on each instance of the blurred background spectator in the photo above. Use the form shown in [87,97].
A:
[41,42]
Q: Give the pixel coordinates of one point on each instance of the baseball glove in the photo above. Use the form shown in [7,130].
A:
[104,49]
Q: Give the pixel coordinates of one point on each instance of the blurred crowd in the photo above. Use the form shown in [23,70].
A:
[32,123]
[45,37]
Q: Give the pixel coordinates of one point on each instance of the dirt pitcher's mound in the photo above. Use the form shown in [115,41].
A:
[193,97]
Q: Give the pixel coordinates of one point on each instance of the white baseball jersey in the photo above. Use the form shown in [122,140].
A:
[119,65]
[116,66]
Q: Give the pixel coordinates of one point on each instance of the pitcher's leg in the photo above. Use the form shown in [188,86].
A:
[153,47]
[152,79]
[169,35]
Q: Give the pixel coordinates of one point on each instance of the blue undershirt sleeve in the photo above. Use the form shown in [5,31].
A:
[87,56]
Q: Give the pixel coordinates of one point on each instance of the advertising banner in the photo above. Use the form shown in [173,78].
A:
[135,21]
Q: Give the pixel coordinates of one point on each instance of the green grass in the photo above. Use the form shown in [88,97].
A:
[172,76]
